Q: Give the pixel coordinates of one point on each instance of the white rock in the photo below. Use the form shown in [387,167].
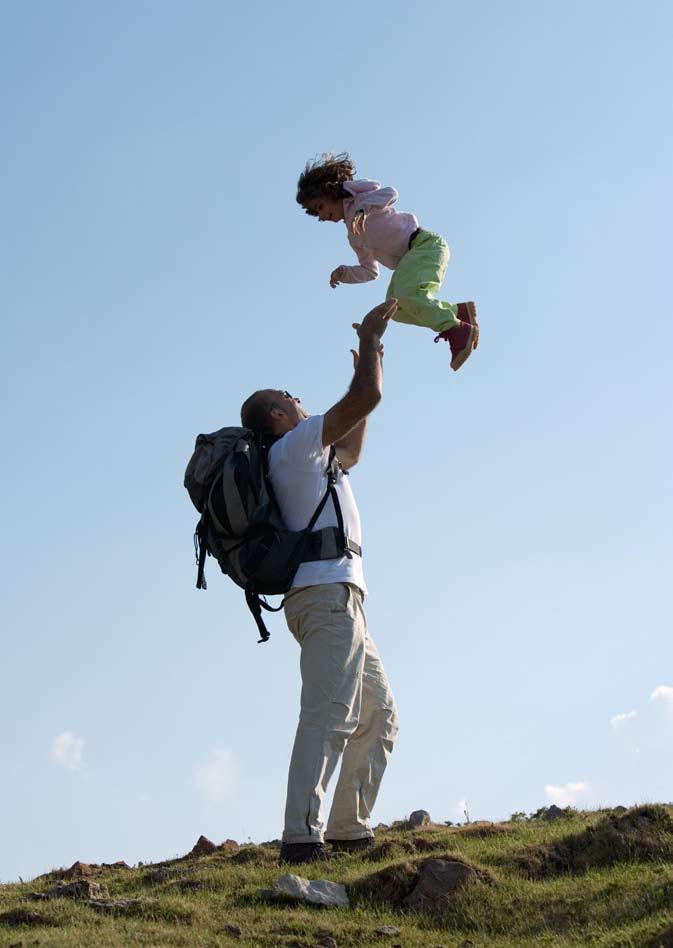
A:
[319,892]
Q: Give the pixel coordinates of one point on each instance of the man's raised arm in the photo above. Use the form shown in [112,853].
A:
[365,390]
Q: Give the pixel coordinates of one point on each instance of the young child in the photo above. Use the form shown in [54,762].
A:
[379,234]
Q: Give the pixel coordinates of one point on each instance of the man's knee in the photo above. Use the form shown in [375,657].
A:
[390,724]
[337,719]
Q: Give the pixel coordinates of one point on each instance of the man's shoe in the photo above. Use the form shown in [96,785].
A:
[464,337]
[297,853]
[351,845]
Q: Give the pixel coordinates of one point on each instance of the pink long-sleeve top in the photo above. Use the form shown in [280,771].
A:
[386,232]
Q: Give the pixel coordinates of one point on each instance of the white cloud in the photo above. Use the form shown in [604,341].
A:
[664,692]
[566,795]
[217,779]
[67,750]
[620,719]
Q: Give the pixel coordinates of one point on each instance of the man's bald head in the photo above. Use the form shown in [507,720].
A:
[269,411]
[256,411]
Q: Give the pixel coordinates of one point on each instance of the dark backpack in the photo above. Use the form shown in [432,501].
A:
[241,526]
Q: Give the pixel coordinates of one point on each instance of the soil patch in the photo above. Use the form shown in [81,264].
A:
[662,939]
[389,849]
[30,917]
[254,856]
[642,834]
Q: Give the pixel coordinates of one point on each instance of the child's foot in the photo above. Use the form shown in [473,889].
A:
[467,313]
[464,337]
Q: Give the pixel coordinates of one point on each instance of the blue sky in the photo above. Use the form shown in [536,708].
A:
[517,515]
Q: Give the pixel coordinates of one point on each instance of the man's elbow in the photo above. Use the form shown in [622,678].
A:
[348,458]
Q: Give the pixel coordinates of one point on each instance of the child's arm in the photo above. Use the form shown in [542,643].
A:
[380,197]
[368,200]
[368,269]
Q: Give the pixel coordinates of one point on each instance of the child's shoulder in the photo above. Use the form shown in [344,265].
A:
[361,186]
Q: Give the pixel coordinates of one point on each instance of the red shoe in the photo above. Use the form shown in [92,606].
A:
[464,337]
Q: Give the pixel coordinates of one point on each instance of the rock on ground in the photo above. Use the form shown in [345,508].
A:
[229,846]
[419,818]
[118,906]
[554,813]
[425,885]
[202,847]
[438,880]
[82,889]
[662,939]
[319,892]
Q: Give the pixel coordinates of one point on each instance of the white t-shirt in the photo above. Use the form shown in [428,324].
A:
[297,468]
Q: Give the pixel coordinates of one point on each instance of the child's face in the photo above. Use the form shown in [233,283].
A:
[325,208]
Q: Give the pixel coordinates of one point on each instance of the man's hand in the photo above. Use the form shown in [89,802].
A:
[376,321]
[336,276]
[358,225]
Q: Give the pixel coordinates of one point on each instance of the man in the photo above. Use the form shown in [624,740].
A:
[347,707]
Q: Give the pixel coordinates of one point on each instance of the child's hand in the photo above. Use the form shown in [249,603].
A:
[358,225]
[336,276]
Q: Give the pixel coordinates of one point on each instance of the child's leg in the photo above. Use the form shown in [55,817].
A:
[417,280]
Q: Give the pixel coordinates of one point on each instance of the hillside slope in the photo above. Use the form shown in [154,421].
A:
[582,879]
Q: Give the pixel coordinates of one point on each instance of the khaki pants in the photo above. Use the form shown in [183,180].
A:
[347,711]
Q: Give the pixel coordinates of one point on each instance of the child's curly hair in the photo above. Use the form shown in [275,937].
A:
[324,177]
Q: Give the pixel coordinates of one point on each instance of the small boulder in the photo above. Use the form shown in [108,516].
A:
[326,941]
[202,847]
[419,818]
[231,928]
[82,889]
[438,880]
[80,870]
[663,939]
[319,892]
[229,846]
[554,813]
[387,931]
[119,906]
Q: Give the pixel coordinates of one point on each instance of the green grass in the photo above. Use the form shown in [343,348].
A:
[619,893]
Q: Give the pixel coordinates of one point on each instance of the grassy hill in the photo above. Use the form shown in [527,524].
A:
[583,879]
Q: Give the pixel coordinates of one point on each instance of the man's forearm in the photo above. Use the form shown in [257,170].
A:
[368,377]
[366,388]
[367,381]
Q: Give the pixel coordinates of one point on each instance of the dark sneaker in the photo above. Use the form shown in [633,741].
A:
[464,337]
[351,845]
[297,853]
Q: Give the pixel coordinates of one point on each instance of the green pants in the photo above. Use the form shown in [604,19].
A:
[417,280]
